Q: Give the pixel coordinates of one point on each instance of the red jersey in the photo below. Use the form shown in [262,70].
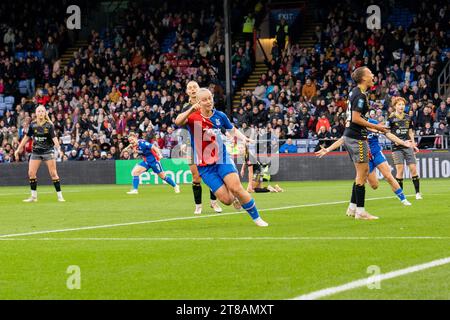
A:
[206,136]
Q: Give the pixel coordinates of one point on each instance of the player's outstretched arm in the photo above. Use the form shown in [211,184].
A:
[397,140]
[323,151]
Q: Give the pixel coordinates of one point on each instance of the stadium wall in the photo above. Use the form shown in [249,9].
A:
[337,166]
[71,172]
[292,167]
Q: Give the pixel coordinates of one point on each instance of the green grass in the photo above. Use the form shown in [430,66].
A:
[220,256]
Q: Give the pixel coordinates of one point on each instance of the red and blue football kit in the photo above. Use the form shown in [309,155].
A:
[210,154]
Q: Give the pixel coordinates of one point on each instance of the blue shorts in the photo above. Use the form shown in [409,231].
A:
[214,174]
[154,165]
[377,159]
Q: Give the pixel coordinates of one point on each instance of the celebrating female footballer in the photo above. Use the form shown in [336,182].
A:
[191,90]
[151,155]
[214,164]
[45,145]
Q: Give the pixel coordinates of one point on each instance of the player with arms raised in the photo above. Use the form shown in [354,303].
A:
[151,156]
[45,145]
[214,164]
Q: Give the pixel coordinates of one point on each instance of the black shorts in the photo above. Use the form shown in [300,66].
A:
[42,156]
[357,149]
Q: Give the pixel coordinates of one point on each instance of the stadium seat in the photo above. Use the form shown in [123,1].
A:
[38,54]
[20,55]
[302,145]
[9,106]
[2,99]
[9,100]
[23,88]
[312,145]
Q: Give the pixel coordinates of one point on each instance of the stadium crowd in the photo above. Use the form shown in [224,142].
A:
[133,78]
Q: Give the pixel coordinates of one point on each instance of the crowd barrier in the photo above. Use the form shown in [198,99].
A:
[291,167]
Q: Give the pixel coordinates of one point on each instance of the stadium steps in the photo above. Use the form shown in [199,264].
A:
[251,82]
[67,56]
[306,39]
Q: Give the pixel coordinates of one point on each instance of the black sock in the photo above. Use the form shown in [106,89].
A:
[212,196]
[57,185]
[360,195]
[400,182]
[197,189]
[261,190]
[416,183]
[33,184]
[353,199]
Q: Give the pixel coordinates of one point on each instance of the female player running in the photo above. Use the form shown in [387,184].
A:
[151,155]
[400,125]
[45,145]
[377,160]
[191,90]
[215,166]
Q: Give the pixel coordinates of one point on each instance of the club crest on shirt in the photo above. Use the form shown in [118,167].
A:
[217,122]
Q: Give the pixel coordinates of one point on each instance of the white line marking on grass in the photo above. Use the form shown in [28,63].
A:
[363,282]
[178,218]
[27,192]
[228,238]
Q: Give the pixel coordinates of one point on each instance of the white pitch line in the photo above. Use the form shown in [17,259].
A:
[27,192]
[177,219]
[229,238]
[366,281]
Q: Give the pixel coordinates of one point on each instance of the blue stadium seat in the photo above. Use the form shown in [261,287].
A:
[1,99]
[20,55]
[2,109]
[37,54]
[9,99]
[302,145]
[23,87]
[9,106]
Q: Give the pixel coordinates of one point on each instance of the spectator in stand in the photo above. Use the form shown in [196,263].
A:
[288,147]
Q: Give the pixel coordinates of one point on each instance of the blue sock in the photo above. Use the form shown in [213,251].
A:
[135,182]
[170,181]
[250,207]
[400,195]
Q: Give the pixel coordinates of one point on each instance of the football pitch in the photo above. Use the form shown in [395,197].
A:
[151,246]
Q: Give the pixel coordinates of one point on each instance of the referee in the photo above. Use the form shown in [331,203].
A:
[45,142]
[355,140]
